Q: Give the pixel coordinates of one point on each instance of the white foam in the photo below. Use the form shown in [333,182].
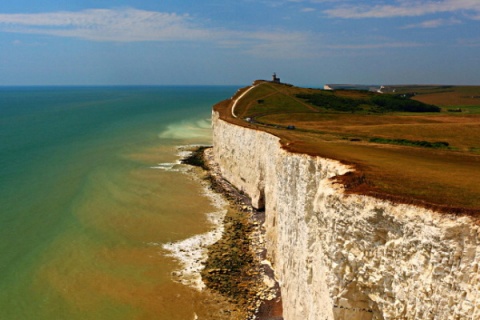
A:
[193,129]
[168,167]
[192,252]
[182,153]
[187,150]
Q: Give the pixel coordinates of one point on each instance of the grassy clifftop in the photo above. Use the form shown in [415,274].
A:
[430,156]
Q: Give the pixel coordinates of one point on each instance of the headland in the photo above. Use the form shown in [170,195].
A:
[355,227]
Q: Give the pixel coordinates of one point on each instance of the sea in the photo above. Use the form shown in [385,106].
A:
[95,210]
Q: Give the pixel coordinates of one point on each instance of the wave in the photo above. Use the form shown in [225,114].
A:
[192,252]
[171,167]
[183,152]
[188,129]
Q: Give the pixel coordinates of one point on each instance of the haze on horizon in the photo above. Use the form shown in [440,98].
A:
[307,42]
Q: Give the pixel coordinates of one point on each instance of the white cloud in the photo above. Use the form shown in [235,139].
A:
[272,44]
[19,43]
[469,42]
[436,23]
[405,9]
[133,25]
[122,25]
[369,46]
[308,9]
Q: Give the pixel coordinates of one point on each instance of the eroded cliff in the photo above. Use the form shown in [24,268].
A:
[339,256]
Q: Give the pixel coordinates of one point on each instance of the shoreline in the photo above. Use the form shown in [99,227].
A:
[236,266]
[190,252]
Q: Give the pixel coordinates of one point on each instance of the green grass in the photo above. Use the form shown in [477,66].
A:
[395,151]
[274,101]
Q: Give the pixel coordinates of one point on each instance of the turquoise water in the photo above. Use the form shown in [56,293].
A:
[81,204]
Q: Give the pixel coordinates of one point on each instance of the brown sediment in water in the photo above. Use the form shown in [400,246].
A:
[234,266]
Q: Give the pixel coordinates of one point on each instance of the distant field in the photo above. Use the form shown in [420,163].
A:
[447,97]
[424,157]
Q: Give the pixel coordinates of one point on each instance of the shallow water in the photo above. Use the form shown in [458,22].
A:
[90,194]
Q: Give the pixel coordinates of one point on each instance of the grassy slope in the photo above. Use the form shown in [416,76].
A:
[445,178]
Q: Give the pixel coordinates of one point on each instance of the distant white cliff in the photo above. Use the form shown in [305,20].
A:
[339,256]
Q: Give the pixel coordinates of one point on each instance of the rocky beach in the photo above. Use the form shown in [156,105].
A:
[236,266]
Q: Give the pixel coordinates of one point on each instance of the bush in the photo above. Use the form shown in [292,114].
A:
[402,104]
[412,143]
[376,103]
[330,101]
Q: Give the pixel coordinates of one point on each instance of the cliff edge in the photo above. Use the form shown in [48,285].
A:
[349,256]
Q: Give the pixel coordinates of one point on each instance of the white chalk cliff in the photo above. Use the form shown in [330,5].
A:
[339,256]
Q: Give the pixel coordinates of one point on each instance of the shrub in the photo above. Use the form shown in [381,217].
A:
[376,103]
[412,143]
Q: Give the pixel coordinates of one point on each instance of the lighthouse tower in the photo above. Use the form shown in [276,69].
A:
[275,79]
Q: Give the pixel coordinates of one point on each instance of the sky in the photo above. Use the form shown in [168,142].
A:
[224,42]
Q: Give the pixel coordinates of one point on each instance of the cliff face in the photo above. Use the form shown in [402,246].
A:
[340,256]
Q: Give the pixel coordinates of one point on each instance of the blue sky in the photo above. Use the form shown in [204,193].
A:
[307,42]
